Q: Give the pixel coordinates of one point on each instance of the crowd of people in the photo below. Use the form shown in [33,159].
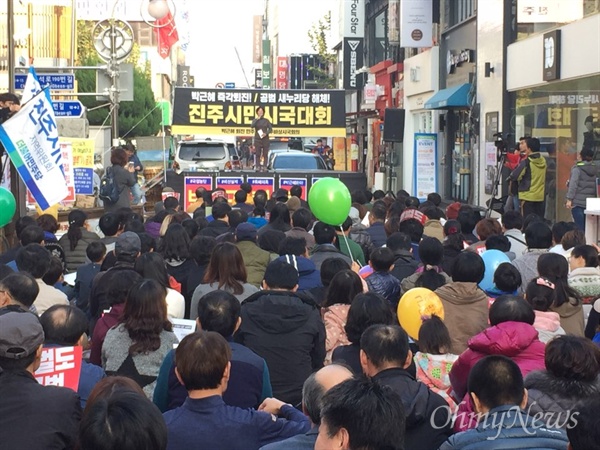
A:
[297,342]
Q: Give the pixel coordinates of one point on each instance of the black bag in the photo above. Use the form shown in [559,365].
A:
[109,191]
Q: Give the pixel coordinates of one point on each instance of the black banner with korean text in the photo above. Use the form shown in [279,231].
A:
[230,111]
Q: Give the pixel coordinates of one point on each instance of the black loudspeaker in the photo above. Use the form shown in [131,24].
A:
[393,125]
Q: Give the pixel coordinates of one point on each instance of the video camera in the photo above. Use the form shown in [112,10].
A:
[503,143]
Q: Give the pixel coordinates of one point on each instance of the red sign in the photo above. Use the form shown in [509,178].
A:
[267,184]
[282,72]
[230,185]
[190,184]
[60,366]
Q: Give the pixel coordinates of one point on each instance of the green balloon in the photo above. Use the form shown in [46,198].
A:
[8,206]
[329,200]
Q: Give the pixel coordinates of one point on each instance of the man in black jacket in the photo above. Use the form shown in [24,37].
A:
[285,329]
[220,224]
[31,415]
[384,356]
[405,263]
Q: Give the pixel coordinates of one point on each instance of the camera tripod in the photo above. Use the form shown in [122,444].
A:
[501,159]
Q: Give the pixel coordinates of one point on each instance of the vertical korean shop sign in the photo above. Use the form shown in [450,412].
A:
[266,64]
[425,165]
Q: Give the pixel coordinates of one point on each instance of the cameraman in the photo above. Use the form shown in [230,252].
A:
[531,176]
[512,161]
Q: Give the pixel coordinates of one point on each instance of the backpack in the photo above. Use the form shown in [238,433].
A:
[109,191]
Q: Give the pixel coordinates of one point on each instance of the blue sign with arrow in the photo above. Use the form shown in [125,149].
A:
[57,81]
[230,85]
[67,108]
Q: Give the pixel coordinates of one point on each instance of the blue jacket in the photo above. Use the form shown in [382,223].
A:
[298,442]
[378,235]
[508,427]
[310,277]
[90,374]
[209,423]
[249,381]
[386,285]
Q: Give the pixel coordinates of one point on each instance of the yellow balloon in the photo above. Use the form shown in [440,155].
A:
[416,304]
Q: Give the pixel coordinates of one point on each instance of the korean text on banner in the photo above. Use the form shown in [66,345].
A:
[30,138]
[424,172]
[288,183]
[190,184]
[231,186]
[32,88]
[60,366]
[267,184]
[292,113]
[83,165]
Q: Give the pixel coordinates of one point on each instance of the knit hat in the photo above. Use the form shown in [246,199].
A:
[452,210]
[245,232]
[293,204]
[21,334]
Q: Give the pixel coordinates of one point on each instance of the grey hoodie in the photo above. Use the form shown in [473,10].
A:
[582,183]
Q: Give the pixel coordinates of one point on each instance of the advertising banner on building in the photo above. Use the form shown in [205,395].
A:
[549,11]
[288,183]
[190,184]
[282,72]
[353,45]
[267,184]
[425,163]
[353,60]
[257,32]
[416,23]
[230,112]
[67,163]
[266,64]
[60,366]
[231,185]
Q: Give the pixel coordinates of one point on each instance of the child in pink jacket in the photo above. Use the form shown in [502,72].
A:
[433,360]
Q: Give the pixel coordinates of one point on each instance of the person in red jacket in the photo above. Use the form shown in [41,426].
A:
[511,333]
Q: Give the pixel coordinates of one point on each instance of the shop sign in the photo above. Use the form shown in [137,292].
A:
[551,55]
[453,60]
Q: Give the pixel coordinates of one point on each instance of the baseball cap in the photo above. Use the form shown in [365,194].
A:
[281,194]
[245,232]
[20,334]
[128,243]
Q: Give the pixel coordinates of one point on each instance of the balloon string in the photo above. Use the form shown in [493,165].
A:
[348,245]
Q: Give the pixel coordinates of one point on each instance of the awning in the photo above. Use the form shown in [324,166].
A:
[454,97]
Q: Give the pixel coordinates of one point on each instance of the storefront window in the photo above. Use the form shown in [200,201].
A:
[462,156]
[534,17]
[565,116]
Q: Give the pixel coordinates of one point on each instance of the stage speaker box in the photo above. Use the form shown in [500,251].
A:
[393,125]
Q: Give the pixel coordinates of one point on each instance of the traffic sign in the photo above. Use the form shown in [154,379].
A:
[67,108]
[230,85]
[220,85]
[57,81]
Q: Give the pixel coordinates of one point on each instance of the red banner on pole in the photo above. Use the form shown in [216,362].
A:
[166,34]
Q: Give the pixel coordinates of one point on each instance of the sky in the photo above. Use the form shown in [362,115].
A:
[218,28]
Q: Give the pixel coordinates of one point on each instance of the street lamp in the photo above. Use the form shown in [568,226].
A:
[113,41]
